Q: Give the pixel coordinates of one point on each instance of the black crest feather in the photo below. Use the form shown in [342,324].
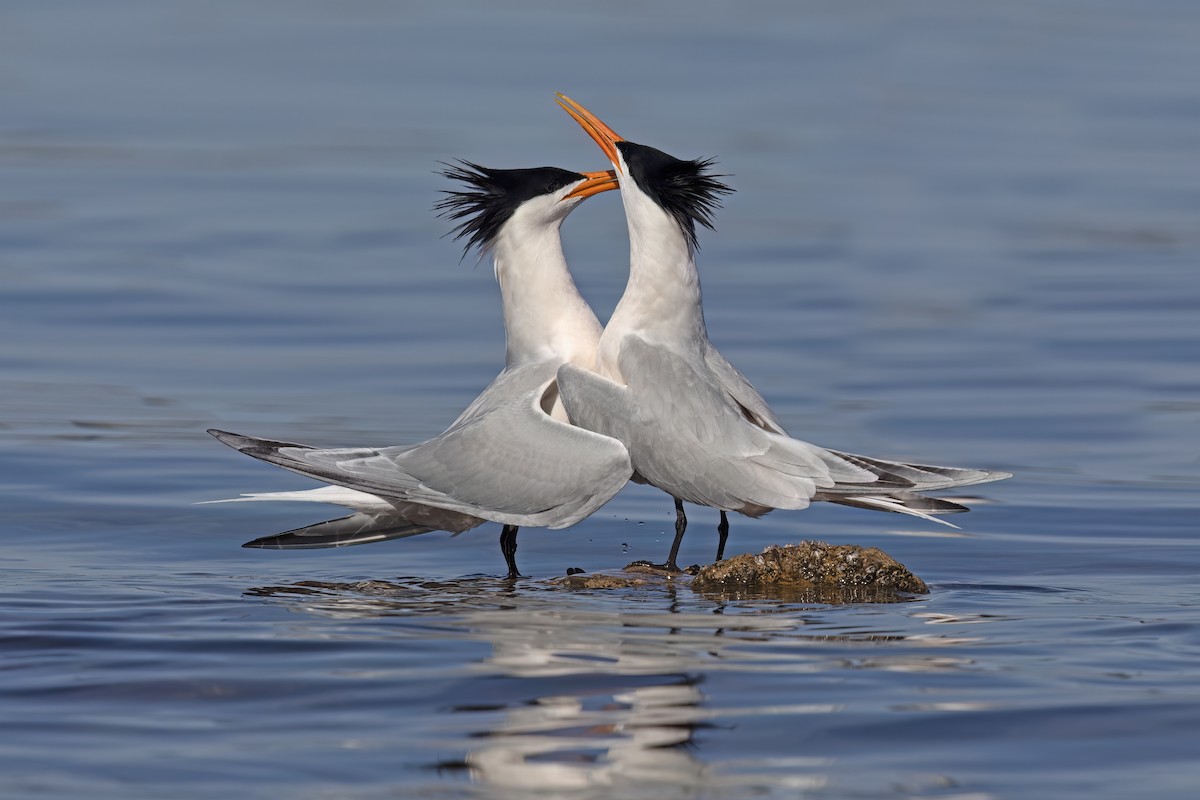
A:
[686,190]
[492,196]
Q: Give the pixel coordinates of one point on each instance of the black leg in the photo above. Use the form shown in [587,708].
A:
[508,546]
[680,527]
[722,534]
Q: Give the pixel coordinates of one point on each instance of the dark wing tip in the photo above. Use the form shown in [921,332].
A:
[250,445]
[358,528]
[234,440]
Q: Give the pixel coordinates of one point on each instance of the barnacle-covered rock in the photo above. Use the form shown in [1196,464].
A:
[811,572]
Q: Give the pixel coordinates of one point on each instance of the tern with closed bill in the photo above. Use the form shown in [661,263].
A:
[511,457]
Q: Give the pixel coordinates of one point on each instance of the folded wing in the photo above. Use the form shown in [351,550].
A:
[507,462]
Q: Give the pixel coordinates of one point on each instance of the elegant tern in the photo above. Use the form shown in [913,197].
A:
[693,425]
[511,457]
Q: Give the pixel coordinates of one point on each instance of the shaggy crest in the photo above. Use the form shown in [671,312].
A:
[686,190]
[492,196]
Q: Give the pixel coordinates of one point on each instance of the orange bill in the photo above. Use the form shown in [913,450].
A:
[603,135]
[596,183]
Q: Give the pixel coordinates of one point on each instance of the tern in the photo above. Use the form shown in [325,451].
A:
[511,457]
[694,426]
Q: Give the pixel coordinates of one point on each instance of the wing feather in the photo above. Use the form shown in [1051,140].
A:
[686,435]
[508,461]
[700,432]
[359,528]
[741,391]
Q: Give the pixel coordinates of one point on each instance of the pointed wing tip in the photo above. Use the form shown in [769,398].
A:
[234,440]
[985,476]
[253,445]
[282,541]
[258,544]
[355,529]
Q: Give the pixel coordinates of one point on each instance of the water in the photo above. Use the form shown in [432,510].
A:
[962,234]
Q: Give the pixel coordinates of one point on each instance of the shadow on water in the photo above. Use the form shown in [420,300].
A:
[581,693]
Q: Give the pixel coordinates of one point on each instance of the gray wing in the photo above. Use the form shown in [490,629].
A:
[508,462]
[741,391]
[692,431]
[689,437]
[890,475]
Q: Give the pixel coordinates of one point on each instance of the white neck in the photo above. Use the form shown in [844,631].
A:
[662,301]
[545,317]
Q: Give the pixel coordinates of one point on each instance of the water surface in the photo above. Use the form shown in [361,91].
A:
[961,235]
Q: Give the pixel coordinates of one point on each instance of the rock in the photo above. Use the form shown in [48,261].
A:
[639,573]
[596,581]
[811,572]
[646,568]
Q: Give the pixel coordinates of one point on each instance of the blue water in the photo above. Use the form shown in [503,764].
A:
[962,234]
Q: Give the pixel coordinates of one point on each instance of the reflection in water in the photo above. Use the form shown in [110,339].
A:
[802,594]
[635,739]
[612,698]
[568,742]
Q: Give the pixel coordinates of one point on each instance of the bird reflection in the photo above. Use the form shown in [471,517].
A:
[609,697]
[638,737]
